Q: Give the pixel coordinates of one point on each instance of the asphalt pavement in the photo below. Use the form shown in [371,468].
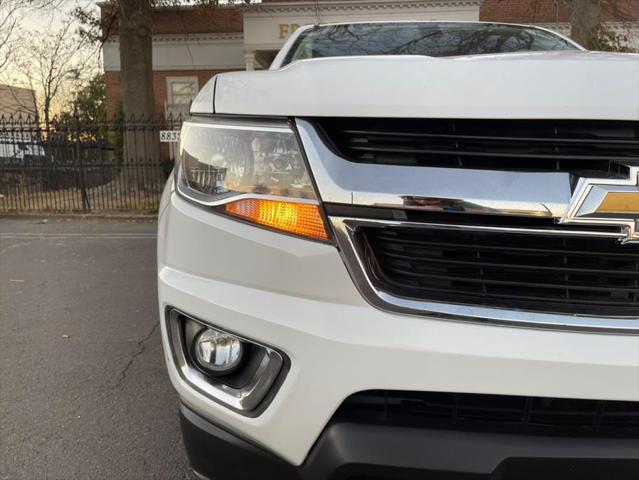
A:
[83,389]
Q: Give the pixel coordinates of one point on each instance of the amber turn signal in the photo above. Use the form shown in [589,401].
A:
[302,219]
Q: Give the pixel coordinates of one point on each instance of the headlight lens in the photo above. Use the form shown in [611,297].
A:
[222,162]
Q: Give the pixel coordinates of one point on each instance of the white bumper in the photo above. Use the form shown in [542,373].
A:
[297,296]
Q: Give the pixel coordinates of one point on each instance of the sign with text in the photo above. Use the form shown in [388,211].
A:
[169,136]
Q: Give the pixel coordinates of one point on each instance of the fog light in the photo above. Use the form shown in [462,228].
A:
[234,371]
[217,352]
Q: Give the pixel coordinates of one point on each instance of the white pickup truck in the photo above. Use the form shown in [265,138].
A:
[408,250]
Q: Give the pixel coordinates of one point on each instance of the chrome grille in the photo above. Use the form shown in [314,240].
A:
[533,271]
[589,279]
[521,145]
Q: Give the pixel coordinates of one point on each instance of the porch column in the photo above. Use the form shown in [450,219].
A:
[249,58]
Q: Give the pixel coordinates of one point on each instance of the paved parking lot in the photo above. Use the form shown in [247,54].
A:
[83,389]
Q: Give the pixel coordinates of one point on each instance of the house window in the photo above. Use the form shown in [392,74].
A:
[180,92]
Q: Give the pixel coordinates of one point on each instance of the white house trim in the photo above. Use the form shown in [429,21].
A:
[201,51]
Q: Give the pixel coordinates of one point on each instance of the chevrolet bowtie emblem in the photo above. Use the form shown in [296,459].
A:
[602,201]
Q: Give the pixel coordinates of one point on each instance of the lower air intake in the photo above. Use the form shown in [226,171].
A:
[494,413]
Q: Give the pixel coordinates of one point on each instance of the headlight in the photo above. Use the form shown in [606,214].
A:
[253,171]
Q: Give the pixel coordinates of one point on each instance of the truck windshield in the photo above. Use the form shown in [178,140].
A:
[433,39]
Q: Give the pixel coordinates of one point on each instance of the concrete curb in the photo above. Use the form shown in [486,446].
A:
[83,216]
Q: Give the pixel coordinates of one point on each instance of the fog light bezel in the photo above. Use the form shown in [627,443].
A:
[249,399]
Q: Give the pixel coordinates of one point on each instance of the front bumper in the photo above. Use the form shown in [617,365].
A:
[352,451]
[296,296]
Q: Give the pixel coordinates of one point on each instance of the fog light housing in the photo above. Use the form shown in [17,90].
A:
[239,373]
[217,352]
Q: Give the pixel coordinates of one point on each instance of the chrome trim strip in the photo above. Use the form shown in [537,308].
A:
[243,196]
[229,126]
[536,194]
[482,228]
[244,400]
[346,228]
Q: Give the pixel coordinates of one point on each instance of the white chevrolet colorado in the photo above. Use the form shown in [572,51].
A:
[408,250]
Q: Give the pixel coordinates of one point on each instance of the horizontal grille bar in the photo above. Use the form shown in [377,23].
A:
[489,281]
[494,413]
[590,253]
[459,153]
[512,266]
[586,275]
[499,298]
[528,145]
[581,141]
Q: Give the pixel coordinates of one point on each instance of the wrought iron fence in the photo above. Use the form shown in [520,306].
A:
[75,164]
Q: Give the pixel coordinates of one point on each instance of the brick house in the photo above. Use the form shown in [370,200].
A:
[192,44]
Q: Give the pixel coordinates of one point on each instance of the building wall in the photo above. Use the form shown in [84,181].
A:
[190,41]
[195,51]
[201,41]
[621,16]
[552,11]
[185,19]
[114,89]
[523,11]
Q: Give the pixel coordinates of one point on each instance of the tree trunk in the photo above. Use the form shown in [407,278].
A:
[47,116]
[136,68]
[584,22]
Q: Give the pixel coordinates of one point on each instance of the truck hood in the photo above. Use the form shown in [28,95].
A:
[553,85]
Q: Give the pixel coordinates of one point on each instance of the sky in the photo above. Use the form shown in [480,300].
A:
[55,17]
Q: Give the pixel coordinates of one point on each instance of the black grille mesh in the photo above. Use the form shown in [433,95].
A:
[500,413]
[547,273]
[529,145]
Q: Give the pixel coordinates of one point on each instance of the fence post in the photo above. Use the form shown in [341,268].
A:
[78,152]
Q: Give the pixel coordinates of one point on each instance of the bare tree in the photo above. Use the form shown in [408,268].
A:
[133,21]
[8,20]
[134,28]
[588,27]
[51,63]
[136,73]
[585,18]
[11,12]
